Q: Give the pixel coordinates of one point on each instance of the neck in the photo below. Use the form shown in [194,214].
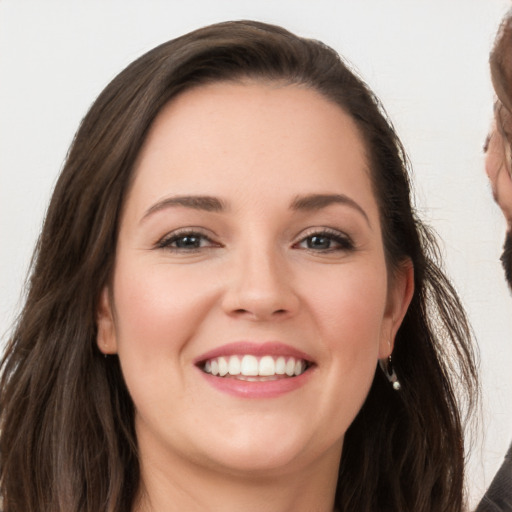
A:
[171,485]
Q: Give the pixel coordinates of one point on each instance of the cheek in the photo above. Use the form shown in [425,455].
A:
[351,321]
[491,166]
[158,308]
[351,315]
[495,157]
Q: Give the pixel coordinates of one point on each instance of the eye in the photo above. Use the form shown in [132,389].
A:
[326,241]
[186,241]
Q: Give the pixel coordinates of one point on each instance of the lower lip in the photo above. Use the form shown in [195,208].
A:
[257,389]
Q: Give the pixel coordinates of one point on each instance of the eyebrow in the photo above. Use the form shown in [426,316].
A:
[214,204]
[205,203]
[319,201]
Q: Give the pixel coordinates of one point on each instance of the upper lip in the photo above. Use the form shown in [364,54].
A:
[268,348]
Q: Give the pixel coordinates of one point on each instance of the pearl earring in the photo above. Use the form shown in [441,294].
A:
[387,367]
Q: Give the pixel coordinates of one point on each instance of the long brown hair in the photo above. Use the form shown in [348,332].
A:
[67,421]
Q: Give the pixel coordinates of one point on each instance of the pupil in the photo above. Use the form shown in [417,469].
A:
[188,241]
[319,242]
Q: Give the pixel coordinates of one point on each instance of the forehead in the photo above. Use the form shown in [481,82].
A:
[252,136]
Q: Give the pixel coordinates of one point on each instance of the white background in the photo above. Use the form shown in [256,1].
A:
[427,60]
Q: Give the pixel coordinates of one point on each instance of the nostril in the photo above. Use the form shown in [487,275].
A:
[277,312]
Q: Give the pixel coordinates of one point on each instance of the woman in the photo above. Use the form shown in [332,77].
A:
[498,150]
[229,252]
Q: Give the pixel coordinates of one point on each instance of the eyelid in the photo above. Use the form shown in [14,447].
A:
[165,241]
[344,239]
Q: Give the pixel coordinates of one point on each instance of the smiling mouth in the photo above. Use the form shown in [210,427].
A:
[255,369]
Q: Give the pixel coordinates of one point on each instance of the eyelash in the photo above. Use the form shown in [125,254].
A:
[167,241]
[343,242]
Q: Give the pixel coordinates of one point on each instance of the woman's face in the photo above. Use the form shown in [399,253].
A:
[250,300]
[498,168]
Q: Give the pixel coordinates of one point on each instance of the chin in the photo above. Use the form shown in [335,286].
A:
[257,452]
[262,463]
[271,451]
[506,258]
[265,463]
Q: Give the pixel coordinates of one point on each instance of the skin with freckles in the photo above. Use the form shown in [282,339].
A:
[251,218]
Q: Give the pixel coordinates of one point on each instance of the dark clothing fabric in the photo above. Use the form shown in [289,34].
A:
[498,497]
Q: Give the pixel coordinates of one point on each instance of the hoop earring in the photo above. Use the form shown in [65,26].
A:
[387,367]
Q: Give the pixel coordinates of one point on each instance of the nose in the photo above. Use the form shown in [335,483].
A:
[260,287]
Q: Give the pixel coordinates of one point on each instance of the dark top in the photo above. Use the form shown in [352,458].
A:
[498,497]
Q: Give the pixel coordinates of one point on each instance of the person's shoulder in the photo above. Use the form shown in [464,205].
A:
[498,497]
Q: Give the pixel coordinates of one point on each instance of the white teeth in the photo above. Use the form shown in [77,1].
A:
[251,366]
[280,366]
[290,367]
[223,366]
[267,366]
[234,366]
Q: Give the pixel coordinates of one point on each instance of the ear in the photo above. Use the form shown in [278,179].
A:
[106,338]
[401,290]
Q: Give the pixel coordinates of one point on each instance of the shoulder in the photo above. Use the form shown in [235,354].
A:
[498,497]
